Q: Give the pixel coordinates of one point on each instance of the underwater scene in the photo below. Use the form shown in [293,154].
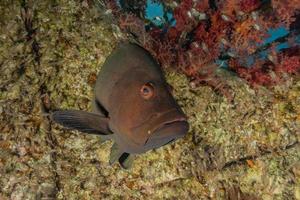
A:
[149,99]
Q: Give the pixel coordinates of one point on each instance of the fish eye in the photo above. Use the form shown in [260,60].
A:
[147,91]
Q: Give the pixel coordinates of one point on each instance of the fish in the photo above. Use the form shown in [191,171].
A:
[132,105]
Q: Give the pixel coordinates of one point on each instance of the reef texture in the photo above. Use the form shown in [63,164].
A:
[50,54]
[233,32]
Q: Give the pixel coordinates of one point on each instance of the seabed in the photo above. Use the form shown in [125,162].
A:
[248,149]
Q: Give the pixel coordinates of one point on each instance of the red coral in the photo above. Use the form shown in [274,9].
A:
[181,15]
[286,11]
[257,74]
[249,5]
[289,65]
[229,27]
[267,73]
[202,6]
[289,61]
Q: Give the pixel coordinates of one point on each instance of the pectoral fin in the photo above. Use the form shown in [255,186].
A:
[82,121]
[116,154]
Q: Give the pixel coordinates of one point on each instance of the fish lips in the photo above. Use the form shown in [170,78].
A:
[167,133]
[161,129]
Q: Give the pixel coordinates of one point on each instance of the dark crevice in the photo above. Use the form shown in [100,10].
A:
[263,152]
[27,17]
[27,14]
[213,5]
[52,142]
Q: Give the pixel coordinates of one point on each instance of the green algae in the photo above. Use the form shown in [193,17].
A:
[249,146]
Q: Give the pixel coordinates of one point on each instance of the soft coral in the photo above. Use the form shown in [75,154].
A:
[229,28]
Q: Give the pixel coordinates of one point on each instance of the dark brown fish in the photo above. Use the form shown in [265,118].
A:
[133,106]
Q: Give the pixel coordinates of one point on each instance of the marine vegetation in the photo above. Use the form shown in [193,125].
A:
[203,35]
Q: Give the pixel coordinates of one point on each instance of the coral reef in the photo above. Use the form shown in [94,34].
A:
[226,31]
[50,54]
[270,73]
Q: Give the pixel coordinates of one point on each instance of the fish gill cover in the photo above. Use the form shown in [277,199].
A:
[258,40]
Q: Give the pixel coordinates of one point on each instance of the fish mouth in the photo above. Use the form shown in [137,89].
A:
[160,129]
[171,123]
[168,132]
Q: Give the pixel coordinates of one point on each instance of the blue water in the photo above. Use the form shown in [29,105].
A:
[155,13]
[275,34]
